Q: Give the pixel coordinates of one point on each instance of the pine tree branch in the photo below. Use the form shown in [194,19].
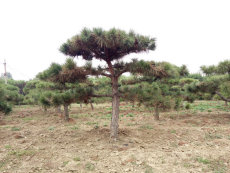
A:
[102,95]
[122,71]
[222,97]
[135,81]
[106,95]
[110,67]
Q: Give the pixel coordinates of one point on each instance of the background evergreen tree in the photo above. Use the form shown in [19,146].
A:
[66,85]
[215,83]
[208,70]
[32,92]
[157,92]
[5,106]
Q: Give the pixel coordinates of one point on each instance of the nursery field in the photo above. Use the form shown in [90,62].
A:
[194,140]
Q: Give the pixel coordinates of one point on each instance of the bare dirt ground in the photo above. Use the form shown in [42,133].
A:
[187,141]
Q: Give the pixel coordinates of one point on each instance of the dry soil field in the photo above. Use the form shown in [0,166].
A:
[192,141]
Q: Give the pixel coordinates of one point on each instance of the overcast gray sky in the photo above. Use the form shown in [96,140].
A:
[190,32]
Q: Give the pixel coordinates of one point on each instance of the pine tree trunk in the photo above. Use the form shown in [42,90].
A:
[58,109]
[66,112]
[91,104]
[115,109]
[156,115]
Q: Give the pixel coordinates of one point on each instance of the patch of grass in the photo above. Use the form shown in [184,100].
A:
[217,165]
[8,147]
[74,116]
[96,127]
[130,115]
[131,124]
[173,117]
[109,108]
[77,159]
[81,115]
[75,127]
[182,113]
[148,169]
[20,153]
[146,126]
[15,129]
[24,106]
[127,106]
[187,165]
[173,131]
[194,112]
[28,118]
[91,123]
[203,160]
[213,136]
[3,163]
[51,128]
[209,106]
[200,107]
[89,166]
[106,117]
[65,163]
[174,144]
[5,127]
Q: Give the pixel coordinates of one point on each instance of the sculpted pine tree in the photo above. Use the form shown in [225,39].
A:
[109,46]
[66,79]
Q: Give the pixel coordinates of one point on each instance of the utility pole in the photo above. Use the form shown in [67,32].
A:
[5,72]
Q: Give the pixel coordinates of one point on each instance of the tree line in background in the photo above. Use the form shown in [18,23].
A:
[159,86]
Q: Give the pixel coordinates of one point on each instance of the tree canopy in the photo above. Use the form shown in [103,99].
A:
[106,45]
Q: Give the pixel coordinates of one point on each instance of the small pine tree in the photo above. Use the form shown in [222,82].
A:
[155,96]
[66,85]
